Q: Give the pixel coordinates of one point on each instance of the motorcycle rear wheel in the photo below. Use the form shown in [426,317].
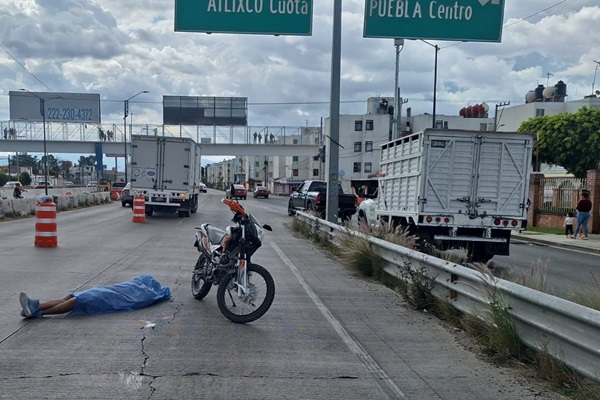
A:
[200,287]
[249,307]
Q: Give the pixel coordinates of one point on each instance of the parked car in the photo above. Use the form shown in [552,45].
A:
[119,185]
[261,191]
[69,184]
[127,196]
[239,192]
[92,184]
[42,185]
[11,184]
[203,187]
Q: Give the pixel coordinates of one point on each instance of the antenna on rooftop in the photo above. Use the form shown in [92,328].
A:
[548,75]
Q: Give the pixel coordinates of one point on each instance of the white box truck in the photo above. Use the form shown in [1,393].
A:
[166,170]
[456,188]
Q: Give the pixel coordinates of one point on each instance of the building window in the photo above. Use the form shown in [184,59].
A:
[539,112]
[316,140]
[368,166]
[295,158]
[483,127]
[357,147]
[356,167]
[369,125]
[295,141]
[257,164]
[369,146]
[358,125]
[295,172]
[315,172]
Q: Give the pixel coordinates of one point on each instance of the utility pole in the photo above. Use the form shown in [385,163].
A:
[399,43]
[498,105]
[594,82]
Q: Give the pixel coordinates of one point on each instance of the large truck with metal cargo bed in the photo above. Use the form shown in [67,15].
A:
[166,170]
[455,189]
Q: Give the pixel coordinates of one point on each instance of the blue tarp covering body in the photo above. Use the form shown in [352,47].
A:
[137,293]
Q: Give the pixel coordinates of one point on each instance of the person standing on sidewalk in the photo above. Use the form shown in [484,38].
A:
[584,206]
[569,222]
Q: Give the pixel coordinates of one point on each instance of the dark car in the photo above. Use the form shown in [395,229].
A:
[127,196]
[237,192]
[261,191]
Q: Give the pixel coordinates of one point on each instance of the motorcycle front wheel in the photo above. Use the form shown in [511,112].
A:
[200,287]
[246,307]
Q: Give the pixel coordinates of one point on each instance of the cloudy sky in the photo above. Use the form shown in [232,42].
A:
[117,48]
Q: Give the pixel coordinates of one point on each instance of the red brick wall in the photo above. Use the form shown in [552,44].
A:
[593,184]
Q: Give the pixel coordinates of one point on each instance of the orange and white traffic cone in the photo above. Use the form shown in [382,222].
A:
[45,224]
[139,208]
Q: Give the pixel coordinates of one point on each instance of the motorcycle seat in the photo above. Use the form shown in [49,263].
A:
[215,234]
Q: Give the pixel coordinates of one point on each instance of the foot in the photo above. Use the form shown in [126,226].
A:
[30,308]
[584,238]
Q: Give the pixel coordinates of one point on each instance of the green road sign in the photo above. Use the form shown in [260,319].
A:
[268,17]
[462,20]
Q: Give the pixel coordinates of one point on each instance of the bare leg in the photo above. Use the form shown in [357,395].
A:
[51,303]
[58,306]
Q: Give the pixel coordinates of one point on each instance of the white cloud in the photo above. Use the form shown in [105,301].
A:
[118,48]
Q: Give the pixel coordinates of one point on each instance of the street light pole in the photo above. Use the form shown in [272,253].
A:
[437,49]
[125,113]
[43,113]
[42,110]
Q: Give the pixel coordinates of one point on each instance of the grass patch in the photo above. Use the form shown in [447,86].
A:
[556,231]
[589,297]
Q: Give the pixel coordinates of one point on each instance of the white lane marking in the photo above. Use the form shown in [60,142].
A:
[370,364]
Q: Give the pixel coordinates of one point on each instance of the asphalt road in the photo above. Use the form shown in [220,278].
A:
[328,335]
[566,272]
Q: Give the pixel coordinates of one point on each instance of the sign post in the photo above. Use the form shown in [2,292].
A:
[461,20]
[274,17]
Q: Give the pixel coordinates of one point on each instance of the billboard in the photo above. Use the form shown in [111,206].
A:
[212,111]
[58,107]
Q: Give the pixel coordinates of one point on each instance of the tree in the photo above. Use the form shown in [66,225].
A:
[89,161]
[570,140]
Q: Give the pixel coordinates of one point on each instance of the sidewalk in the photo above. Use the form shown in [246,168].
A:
[591,246]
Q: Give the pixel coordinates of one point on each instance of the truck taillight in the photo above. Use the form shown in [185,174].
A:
[505,222]
[319,199]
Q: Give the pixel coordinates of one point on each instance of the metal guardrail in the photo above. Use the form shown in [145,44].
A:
[564,330]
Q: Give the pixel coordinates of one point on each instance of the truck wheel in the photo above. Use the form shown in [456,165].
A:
[149,212]
[194,206]
[291,211]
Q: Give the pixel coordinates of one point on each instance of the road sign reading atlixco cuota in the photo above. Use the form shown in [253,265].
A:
[463,20]
[267,17]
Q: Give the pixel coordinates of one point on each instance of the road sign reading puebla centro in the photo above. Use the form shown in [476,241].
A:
[267,17]
[462,20]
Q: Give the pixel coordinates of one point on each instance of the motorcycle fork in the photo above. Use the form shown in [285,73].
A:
[242,276]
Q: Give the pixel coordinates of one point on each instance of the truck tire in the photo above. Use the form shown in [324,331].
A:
[291,211]
[194,207]
[149,211]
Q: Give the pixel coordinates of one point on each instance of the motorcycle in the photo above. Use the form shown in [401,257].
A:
[245,289]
